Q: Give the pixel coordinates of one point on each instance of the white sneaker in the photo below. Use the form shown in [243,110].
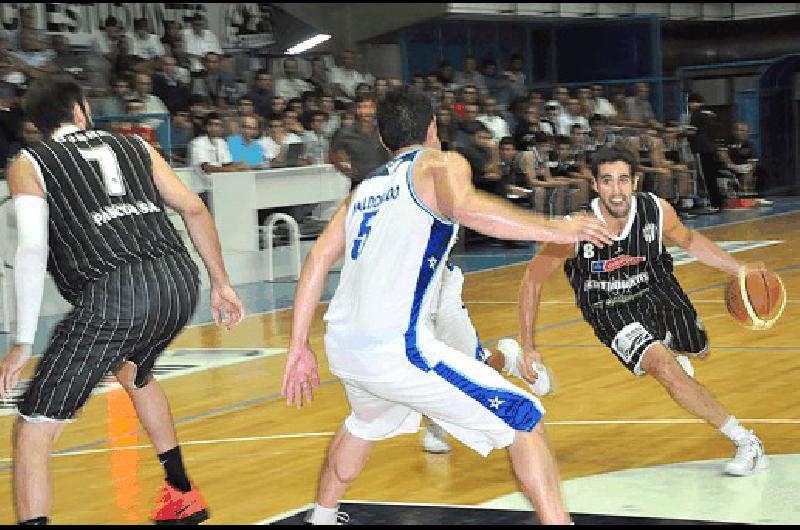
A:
[686,364]
[512,352]
[331,519]
[435,440]
[750,458]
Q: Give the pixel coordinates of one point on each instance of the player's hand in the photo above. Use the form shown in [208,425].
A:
[529,356]
[300,376]
[582,227]
[534,371]
[224,298]
[11,367]
[745,268]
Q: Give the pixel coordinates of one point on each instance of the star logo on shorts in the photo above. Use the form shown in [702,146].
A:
[495,403]
[433,261]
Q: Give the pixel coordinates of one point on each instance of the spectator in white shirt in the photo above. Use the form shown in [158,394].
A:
[198,41]
[560,120]
[333,121]
[470,76]
[290,86]
[277,143]
[345,78]
[144,44]
[209,154]
[561,96]
[497,126]
[104,43]
[152,104]
[639,109]
[602,106]
[575,117]
[315,144]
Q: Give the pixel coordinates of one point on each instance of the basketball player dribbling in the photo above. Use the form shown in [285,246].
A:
[629,295]
[395,232]
[96,203]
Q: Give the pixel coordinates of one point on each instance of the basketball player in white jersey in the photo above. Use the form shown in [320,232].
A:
[395,233]
[629,295]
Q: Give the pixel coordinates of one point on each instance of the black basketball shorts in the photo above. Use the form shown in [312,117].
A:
[131,314]
[663,314]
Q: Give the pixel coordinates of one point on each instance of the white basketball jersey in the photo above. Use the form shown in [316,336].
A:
[396,251]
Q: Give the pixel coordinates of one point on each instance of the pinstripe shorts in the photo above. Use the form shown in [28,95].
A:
[664,314]
[132,314]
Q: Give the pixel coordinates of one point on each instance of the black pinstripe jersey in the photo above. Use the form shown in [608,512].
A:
[104,208]
[621,271]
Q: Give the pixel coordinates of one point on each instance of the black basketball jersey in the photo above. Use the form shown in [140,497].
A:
[626,269]
[104,208]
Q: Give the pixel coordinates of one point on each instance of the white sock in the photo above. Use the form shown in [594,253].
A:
[510,351]
[733,430]
[322,516]
[511,367]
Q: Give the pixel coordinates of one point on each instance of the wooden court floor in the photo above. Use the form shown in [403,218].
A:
[254,458]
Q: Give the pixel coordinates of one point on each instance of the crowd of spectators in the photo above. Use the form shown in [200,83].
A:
[530,147]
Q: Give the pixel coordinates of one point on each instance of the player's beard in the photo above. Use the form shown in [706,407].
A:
[619,211]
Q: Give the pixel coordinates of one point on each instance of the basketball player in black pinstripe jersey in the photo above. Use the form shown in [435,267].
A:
[629,295]
[91,209]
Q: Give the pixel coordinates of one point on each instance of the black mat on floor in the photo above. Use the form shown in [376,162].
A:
[385,514]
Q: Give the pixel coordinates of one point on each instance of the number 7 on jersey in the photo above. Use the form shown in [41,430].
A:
[105,159]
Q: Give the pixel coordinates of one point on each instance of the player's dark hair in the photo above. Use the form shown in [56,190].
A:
[50,101]
[608,155]
[403,118]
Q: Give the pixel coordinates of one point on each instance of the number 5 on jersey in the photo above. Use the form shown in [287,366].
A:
[363,235]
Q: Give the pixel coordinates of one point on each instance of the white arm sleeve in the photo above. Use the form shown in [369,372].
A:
[30,263]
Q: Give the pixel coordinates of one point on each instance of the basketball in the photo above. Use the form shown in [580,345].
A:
[756,298]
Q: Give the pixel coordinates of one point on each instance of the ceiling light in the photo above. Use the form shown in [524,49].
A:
[308,44]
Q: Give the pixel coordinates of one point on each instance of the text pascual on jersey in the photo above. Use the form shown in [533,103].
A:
[121,210]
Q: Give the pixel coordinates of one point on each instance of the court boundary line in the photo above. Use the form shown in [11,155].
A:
[329,434]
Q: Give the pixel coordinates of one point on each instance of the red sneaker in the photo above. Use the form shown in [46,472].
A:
[177,507]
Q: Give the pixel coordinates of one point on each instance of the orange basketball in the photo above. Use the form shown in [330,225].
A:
[765,294]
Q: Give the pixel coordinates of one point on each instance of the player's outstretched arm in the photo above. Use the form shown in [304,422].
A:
[457,199]
[30,264]
[300,375]
[696,244]
[544,263]
[204,236]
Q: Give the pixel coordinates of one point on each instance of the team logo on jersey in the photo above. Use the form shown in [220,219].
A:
[649,232]
[610,265]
